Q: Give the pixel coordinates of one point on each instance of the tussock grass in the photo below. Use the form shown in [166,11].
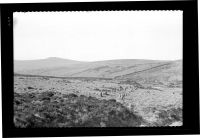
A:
[52,109]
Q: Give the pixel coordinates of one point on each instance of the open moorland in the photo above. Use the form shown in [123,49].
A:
[115,93]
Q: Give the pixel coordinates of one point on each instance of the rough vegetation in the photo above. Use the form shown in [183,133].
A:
[76,102]
[53,109]
[113,93]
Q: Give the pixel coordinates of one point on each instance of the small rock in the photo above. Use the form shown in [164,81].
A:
[176,124]
[102,124]
[37,115]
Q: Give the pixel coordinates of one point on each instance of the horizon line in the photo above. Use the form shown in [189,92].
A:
[94,60]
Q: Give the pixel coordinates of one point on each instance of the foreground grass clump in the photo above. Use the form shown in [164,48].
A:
[165,116]
[52,109]
[170,116]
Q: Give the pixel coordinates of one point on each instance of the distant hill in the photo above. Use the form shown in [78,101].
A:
[137,69]
[52,62]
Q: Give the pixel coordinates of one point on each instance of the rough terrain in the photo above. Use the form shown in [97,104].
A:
[128,93]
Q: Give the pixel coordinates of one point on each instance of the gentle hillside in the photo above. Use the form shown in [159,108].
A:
[137,69]
[170,71]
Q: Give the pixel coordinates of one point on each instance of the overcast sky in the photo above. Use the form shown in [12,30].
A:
[93,36]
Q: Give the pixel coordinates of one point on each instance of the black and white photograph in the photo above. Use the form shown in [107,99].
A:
[98,69]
